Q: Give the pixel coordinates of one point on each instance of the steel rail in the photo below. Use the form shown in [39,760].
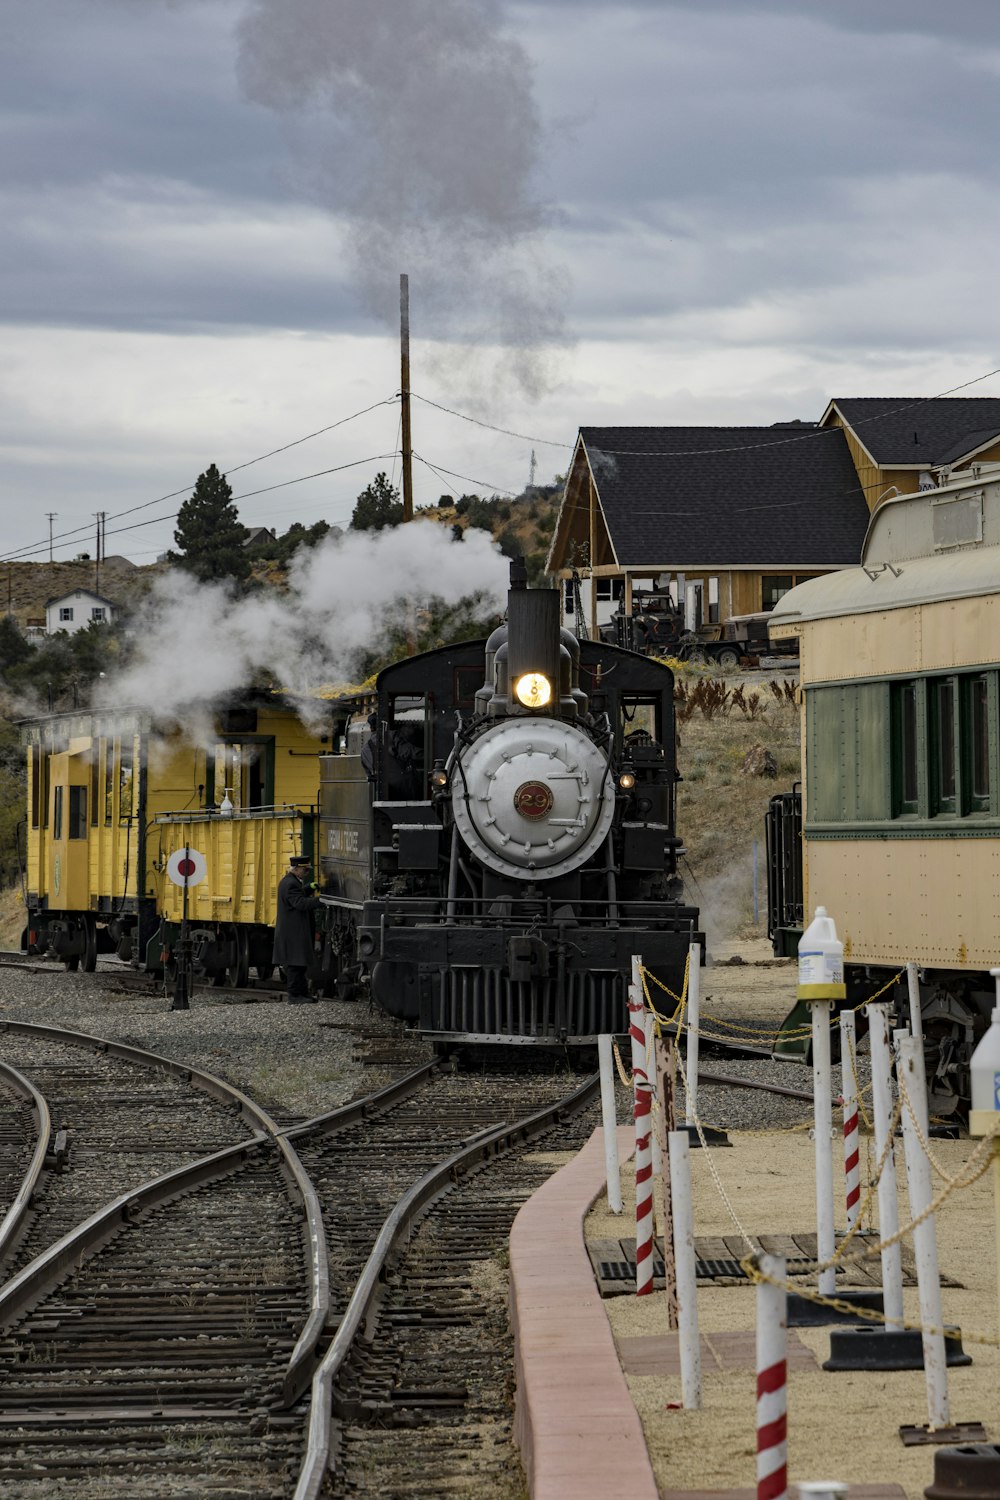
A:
[302,1363]
[265,1128]
[47,1269]
[481,1149]
[18,1211]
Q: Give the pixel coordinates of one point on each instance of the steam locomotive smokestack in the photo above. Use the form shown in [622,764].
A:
[532,628]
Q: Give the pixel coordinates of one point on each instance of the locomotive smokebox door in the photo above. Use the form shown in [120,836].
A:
[527,958]
[418,845]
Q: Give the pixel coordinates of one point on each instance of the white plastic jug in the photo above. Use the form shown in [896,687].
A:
[821,960]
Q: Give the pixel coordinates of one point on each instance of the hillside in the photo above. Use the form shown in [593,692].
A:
[26,587]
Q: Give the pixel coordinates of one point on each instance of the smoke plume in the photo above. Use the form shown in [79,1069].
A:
[347,596]
[420,129]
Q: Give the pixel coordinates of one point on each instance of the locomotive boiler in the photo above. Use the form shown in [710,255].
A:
[497,838]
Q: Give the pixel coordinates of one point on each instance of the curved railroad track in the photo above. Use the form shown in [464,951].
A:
[146,1339]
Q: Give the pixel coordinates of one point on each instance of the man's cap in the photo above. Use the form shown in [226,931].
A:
[298,860]
[373,721]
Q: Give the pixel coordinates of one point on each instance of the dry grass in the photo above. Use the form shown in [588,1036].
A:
[11,917]
[720,808]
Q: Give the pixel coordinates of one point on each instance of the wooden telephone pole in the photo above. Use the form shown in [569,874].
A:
[404,340]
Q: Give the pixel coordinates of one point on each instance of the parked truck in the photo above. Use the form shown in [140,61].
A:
[656,628]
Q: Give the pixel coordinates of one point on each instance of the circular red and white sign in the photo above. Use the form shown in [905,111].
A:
[187,867]
[533,799]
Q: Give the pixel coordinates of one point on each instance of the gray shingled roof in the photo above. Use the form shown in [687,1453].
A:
[728,496]
[907,430]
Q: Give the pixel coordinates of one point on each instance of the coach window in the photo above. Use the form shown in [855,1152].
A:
[904,749]
[111,749]
[57,801]
[36,782]
[125,784]
[941,725]
[78,812]
[976,743]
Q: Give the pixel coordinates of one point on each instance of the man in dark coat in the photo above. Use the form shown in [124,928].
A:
[293,929]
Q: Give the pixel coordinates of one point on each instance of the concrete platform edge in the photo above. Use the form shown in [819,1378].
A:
[575,1422]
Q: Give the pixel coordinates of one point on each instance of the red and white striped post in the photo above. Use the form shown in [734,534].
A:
[772,1381]
[849,1092]
[643,1100]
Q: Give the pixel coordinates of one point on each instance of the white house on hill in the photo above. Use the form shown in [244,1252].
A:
[73,612]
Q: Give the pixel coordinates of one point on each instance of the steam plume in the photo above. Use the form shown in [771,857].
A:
[197,644]
[425,136]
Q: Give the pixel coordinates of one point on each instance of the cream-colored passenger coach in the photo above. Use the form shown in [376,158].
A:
[900,800]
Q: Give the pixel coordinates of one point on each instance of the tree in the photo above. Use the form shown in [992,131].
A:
[209,532]
[378,506]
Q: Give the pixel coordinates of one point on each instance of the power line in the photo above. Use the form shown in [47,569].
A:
[33,547]
[490,426]
[498,489]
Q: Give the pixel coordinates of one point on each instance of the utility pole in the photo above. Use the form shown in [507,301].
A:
[51,515]
[99,550]
[404,341]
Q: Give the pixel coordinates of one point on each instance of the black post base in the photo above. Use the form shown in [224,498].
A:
[876,1348]
[713,1136]
[804,1313]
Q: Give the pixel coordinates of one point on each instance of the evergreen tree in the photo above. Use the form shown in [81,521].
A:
[209,532]
[378,506]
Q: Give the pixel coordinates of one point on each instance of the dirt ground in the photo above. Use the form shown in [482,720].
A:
[841,1425]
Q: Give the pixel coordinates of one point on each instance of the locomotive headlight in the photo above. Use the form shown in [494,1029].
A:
[533,690]
[626,779]
[439,776]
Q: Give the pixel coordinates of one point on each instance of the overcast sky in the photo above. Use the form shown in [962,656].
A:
[718,212]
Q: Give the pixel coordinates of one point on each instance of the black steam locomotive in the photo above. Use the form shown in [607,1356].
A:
[497,838]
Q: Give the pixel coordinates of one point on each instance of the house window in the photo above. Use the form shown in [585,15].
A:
[66,612]
[713,601]
[774,586]
[98,613]
[568,597]
[609,589]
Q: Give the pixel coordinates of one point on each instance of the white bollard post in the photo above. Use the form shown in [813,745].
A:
[649,1022]
[693,1022]
[913,991]
[772,1382]
[849,1091]
[888,1204]
[819,1011]
[918,1181]
[684,1265]
[609,1117]
[643,1155]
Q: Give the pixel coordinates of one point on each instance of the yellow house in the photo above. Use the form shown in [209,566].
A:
[901,444]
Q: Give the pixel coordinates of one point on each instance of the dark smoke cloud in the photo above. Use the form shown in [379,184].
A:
[419,129]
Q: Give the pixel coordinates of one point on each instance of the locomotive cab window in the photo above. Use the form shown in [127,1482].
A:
[406,747]
[641,725]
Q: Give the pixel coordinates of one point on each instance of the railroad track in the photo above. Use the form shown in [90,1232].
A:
[441,1359]
[169,1344]
[144,1347]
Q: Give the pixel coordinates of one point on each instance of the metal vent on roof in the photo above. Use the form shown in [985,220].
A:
[957,520]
